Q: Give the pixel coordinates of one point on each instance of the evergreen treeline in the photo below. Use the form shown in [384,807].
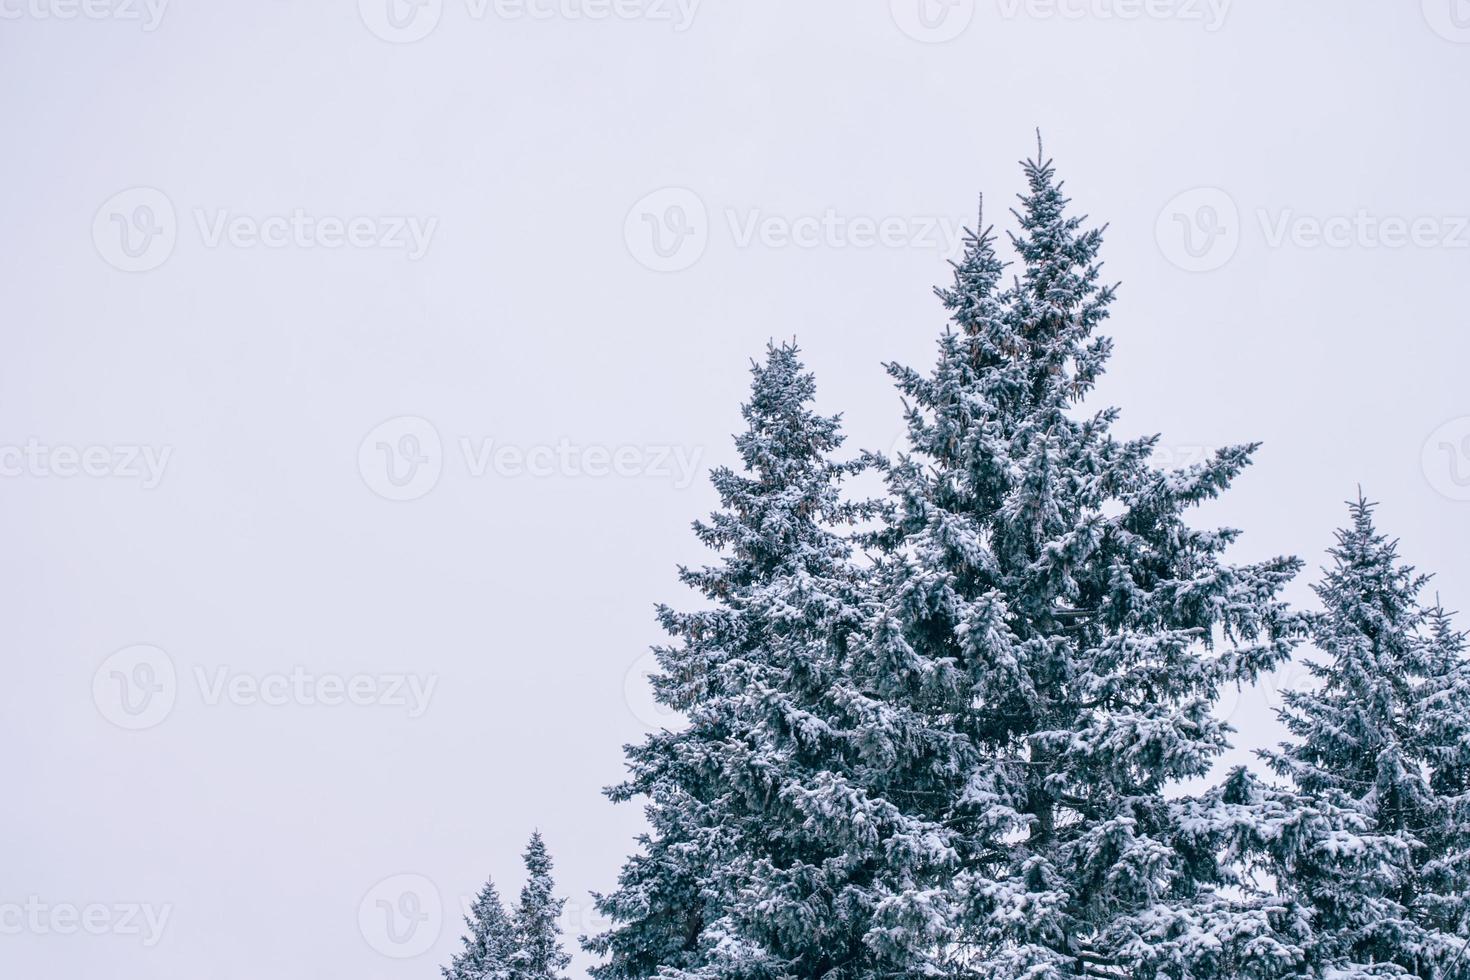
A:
[524,944]
[958,732]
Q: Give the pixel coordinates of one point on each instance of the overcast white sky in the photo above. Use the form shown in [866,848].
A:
[267,266]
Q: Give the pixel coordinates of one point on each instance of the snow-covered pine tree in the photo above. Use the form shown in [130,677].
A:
[538,953]
[1379,752]
[489,943]
[743,870]
[1056,634]
[838,863]
[1444,726]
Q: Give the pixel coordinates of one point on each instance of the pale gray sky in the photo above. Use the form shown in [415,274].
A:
[362,363]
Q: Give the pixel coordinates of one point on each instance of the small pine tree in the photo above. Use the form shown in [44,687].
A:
[488,945]
[1379,758]
[538,952]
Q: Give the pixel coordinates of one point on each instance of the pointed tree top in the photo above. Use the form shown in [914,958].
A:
[1361,511]
[536,858]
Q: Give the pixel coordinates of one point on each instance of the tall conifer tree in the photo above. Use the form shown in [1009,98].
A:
[1063,633]
[1379,752]
[718,887]
[538,951]
[1444,718]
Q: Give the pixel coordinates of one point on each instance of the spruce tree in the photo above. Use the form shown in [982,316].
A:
[1054,634]
[1379,756]
[489,943]
[538,953]
[1444,720]
[739,801]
